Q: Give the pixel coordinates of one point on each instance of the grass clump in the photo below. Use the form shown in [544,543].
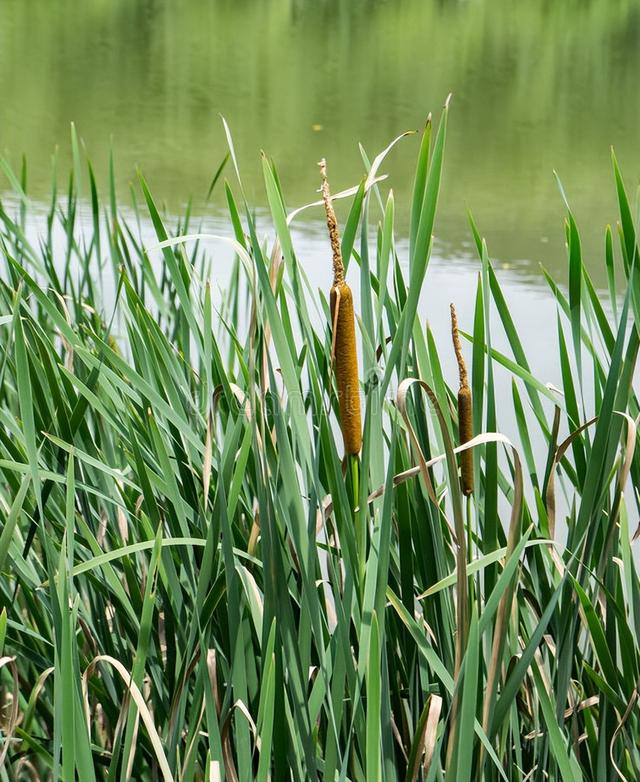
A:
[190,588]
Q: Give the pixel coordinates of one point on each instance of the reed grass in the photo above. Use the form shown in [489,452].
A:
[190,588]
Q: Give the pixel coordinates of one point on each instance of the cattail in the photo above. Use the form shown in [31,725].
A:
[344,334]
[465,417]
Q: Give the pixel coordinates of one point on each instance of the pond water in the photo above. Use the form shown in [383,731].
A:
[537,85]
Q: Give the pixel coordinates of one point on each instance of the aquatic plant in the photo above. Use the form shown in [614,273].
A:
[465,412]
[190,587]
[343,335]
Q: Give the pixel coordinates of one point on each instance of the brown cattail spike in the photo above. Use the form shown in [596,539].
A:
[344,334]
[465,413]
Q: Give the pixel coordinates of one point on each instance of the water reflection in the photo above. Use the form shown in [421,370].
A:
[537,86]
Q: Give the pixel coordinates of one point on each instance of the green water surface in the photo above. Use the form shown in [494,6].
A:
[537,85]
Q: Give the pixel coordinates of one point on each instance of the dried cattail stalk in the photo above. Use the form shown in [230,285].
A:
[465,413]
[344,334]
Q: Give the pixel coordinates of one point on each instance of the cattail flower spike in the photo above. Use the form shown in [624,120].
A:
[465,412]
[343,340]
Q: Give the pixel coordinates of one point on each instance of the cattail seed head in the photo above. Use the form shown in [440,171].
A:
[344,334]
[465,426]
[346,366]
[465,410]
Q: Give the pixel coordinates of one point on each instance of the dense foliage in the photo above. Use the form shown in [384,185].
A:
[196,585]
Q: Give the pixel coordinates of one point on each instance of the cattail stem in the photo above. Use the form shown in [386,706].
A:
[332,224]
[455,334]
[465,412]
[351,468]
[344,352]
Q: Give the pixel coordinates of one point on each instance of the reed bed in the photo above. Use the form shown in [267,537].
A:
[196,585]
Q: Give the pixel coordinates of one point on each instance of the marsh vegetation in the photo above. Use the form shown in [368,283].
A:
[196,584]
